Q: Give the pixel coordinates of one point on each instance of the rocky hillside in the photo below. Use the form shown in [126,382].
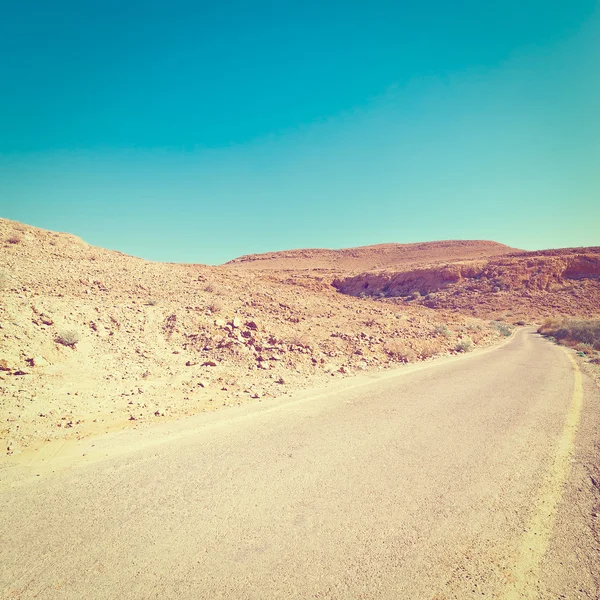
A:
[93,339]
[530,284]
[367,258]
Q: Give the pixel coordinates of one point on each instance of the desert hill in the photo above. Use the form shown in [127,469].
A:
[93,339]
[368,258]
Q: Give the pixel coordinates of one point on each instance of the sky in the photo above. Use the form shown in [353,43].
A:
[189,131]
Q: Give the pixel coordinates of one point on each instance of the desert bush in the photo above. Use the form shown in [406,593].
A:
[587,331]
[550,326]
[442,330]
[428,348]
[464,345]
[215,306]
[151,302]
[400,350]
[503,328]
[301,341]
[587,349]
[212,288]
[573,331]
[68,338]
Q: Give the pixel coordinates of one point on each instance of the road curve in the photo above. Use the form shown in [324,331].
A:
[442,482]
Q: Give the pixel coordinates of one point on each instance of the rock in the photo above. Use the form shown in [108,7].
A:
[252,325]
[190,363]
[203,384]
[236,322]
[209,363]
[46,320]
[220,322]
[39,361]
[5,365]
[20,372]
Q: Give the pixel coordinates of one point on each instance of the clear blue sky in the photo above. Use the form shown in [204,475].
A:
[196,131]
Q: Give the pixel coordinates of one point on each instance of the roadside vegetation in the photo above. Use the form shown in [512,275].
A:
[581,334]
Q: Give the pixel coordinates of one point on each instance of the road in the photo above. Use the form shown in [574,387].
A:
[459,479]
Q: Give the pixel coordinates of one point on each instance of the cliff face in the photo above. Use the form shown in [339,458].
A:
[568,281]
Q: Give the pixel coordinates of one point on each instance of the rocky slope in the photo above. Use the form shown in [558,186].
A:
[92,339]
[529,284]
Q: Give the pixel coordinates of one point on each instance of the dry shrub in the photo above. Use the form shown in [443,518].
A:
[550,326]
[301,341]
[587,349]
[400,350]
[503,328]
[68,338]
[464,345]
[442,330]
[213,288]
[428,348]
[215,306]
[573,331]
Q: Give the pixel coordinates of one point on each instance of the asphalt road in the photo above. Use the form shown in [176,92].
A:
[449,481]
